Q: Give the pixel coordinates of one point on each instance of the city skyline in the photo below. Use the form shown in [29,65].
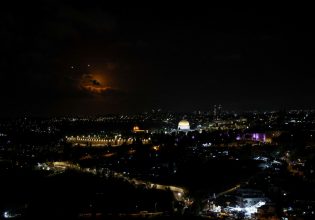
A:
[156,112]
[257,165]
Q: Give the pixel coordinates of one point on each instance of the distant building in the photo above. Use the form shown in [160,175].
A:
[183,125]
[256,137]
[136,129]
[249,197]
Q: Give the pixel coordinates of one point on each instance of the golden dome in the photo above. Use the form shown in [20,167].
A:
[183,125]
[136,128]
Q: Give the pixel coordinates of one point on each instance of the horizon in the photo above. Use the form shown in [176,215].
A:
[100,114]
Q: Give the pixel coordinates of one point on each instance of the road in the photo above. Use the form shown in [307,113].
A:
[60,166]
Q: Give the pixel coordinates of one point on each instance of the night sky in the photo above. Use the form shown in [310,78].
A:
[85,58]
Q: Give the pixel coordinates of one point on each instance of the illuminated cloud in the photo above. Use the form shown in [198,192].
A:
[93,84]
[97,89]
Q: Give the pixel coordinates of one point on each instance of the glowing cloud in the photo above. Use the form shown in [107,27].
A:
[94,84]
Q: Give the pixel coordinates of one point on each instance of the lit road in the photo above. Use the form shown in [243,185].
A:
[229,190]
[60,166]
[225,192]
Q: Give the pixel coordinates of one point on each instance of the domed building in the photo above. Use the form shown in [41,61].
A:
[183,125]
[136,129]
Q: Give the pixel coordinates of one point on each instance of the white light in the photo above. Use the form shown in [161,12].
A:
[6,215]
[250,209]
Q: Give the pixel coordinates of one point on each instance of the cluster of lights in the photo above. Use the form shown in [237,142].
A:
[156,148]
[206,144]
[99,140]
[9,215]
[248,210]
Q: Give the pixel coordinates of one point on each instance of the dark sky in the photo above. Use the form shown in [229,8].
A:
[83,57]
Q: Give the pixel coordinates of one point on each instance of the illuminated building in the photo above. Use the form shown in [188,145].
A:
[97,141]
[183,125]
[249,197]
[136,129]
[257,137]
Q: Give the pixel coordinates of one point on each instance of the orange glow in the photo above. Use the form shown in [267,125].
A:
[94,83]
[137,129]
[109,154]
[156,148]
[131,151]
[87,157]
[95,89]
